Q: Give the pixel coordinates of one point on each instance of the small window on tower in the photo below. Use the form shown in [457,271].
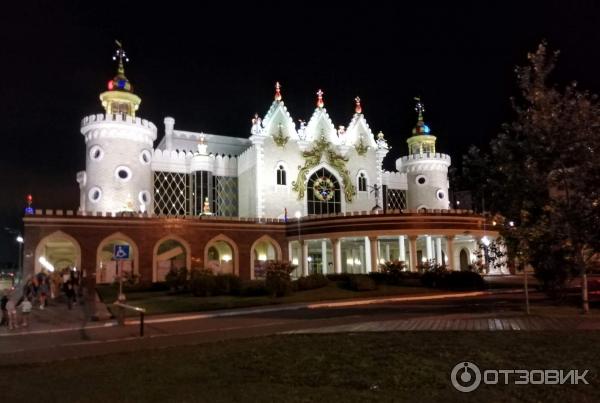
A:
[362,182]
[96,153]
[281,175]
[123,173]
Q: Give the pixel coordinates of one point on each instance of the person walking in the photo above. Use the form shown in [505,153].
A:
[44,290]
[70,293]
[3,302]
[26,307]
[11,308]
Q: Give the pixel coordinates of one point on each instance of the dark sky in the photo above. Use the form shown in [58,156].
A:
[212,67]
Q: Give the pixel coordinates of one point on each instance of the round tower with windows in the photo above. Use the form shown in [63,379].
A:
[426,170]
[119,147]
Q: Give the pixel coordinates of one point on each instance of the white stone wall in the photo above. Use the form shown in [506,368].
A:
[114,143]
[433,170]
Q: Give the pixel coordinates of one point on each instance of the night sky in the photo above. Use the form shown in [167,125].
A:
[212,67]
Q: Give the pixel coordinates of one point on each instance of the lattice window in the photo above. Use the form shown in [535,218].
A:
[171,193]
[324,195]
[225,196]
[395,199]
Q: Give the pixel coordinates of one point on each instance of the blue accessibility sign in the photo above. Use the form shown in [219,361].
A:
[121,252]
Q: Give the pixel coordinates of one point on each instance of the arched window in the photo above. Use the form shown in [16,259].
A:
[281,180]
[362,182]
[323,195]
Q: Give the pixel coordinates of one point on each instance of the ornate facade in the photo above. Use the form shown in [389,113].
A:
[311,193]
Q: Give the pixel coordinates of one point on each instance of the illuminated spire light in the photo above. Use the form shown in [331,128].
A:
[277,91]
[357,107]
[419,108]
[320,102]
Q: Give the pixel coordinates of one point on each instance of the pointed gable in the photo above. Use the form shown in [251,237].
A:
[359,129]
[278,121]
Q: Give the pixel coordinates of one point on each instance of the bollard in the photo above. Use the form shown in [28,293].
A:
[141,324]
[120,315]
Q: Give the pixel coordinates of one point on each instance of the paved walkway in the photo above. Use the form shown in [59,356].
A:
[464,323]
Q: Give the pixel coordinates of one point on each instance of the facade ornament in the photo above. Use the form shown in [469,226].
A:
[361,146]
[381,141]
[256,125]
[341,130]
[312,158]
[280,138]
[202,145]
[206,207]
[302,129]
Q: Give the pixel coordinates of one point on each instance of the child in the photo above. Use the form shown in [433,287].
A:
[25,311]
[11,308]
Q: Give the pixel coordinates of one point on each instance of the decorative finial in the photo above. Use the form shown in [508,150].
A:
[277,91]
[357,107]
[121,55]
[419,108]
[320,102]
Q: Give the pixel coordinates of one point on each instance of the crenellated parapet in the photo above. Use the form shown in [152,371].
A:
[118,126]
[423,162]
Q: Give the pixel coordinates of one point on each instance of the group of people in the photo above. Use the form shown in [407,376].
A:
[36,291]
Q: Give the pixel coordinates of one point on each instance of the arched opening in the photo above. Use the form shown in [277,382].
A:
[221,255]
[324,195]
[464,259]
[171,252]
[263,250]
[116,255]
[57,251]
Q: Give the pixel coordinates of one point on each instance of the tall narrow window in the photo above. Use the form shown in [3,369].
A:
[362,182]
[281,175]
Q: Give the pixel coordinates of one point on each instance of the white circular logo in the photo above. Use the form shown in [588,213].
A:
[465,376]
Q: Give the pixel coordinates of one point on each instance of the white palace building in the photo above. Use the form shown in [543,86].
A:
[312,193]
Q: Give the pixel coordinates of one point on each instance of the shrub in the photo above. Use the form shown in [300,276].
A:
[176,279]
[464,280]
[434,276]
[339,278]
[202,283]
[392,273]
[226,284]
[311,282]
[278,281]
[253,288]
[439,277]
[361,282]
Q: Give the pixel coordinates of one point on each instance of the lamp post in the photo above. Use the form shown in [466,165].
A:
[298,215]
[20,241]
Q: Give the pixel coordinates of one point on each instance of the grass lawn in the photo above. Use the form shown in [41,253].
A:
[407,366]
[160,302]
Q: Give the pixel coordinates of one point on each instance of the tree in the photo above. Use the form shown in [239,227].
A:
[542,172]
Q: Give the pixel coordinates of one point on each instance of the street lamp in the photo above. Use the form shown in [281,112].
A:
[298,214]
[20,241]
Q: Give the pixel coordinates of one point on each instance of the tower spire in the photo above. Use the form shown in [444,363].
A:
[120,99]
[121,55]
[277,91]
[357,107]
[320,102]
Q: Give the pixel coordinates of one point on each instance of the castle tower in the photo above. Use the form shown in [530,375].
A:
[426,171]
[119,145]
